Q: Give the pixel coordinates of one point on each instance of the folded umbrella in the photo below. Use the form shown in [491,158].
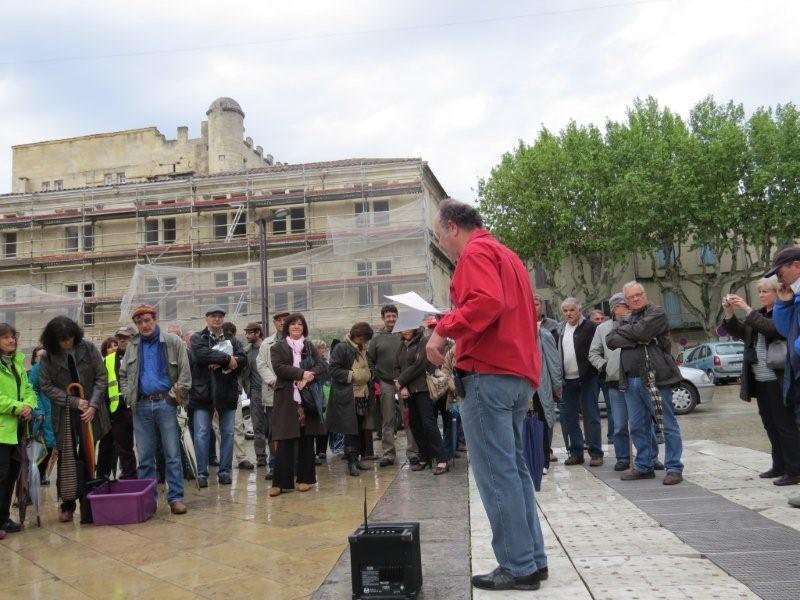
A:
[87,434]
[36,451]
[657,410]
[186,436]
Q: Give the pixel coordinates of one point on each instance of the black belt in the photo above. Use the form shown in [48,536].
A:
[154,397]
[462,373]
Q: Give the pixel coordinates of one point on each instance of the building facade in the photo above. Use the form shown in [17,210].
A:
[177,226]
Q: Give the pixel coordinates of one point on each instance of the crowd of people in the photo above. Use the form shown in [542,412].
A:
[304,401]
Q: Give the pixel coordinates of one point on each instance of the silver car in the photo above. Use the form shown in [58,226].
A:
[695,388]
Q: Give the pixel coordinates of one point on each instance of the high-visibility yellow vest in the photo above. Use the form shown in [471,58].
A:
[113,385]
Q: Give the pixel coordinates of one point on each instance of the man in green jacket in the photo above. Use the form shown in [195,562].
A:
[381,354]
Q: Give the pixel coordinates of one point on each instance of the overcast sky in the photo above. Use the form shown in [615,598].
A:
[456,83]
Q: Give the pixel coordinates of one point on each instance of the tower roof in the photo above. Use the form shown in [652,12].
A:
[225,104]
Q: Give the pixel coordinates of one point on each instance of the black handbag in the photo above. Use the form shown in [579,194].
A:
[308,402]
[776,355]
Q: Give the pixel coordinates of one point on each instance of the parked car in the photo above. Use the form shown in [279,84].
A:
[721,361]
[695,388]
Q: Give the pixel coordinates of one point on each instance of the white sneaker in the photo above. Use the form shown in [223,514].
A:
[544,471]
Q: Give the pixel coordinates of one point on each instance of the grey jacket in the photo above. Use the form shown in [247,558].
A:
[551,379]
[177,358]
[251,372]
[601,356]
[264,366]
[382,352]
[54,377]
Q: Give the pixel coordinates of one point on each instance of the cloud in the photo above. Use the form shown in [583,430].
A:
[323,80]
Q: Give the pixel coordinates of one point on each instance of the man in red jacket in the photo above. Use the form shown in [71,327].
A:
[498,363]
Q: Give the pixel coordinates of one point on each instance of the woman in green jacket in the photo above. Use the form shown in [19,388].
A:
[17,402]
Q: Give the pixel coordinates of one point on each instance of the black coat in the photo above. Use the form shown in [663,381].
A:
[412,365]
[285,423]
[341,416]
[647,330]
[582,339]
[758,321]
[213,388]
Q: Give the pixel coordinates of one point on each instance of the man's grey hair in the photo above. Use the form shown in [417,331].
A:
[632,284]
[462,214]
[597,311]
[571,302]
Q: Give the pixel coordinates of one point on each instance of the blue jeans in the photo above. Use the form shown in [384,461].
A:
[162,416]
[615,400]
[202,434]
[609,411]
[492,414]
[584,393]
[640,413]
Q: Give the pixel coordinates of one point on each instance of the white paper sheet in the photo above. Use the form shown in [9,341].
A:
[408,319]
[416,302]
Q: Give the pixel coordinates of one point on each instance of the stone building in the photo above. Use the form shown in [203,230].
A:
[131,217]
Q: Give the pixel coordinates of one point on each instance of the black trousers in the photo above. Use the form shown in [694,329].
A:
[355,444]
[107,457]
[322,444]
[9,469]
[295,451]
[424,427]
[547,442]
[779,422]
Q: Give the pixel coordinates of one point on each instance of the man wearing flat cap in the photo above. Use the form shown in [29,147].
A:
[786,314]
[252,384]
[121,415]
[217,360]
[154,363]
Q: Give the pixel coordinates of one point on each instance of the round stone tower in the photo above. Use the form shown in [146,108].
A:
[225,136]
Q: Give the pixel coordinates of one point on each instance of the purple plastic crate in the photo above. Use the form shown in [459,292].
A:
[123,502]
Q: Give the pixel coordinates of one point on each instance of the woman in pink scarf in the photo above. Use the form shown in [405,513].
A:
[297,366]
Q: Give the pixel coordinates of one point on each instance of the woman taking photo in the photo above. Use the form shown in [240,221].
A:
[71,359]
[17,403]
[350,394]
[294,427]
[410,370]
[764,382]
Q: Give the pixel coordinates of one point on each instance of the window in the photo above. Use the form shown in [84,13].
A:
[281,302]
[706,256]
[362,213]
[364,269]
[45,186]
[220,226]
[220,280]
[297,218]
[108,179]
[151,233]
[381,210]
[88,238]
[240,279]
[121,177]
[169,231]
[88,309]
[364,294]
[384,289]
[71,289]
[673,308]
[58,185]
[665,255]
[240,228]
[279,276]
[383,267]
[170,284]
[151,285]
[300,300]
[10,244]
[299,274]
[279,226]
[222,301]
[220,157]
[71,239]
[170,312]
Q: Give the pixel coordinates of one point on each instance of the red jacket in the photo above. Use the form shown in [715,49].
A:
[494,320]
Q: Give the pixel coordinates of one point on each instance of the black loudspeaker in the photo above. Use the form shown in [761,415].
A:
[385,561]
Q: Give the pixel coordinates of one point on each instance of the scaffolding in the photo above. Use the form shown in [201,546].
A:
[354,231]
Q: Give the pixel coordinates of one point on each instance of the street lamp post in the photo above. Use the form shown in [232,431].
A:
[262,247]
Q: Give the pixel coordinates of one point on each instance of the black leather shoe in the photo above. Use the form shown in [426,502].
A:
[500,579]
[385,462]
[11,527]
[658,466]
[352,469]
[574,459]
[224,479]
[622,465]
[787,480]
[771,474]
[213,462]
[246,465]
[268,474]
[202,482]
[633,475]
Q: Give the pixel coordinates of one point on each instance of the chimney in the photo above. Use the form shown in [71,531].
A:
[269,159]
[259,150]
[248,141]
[183,134]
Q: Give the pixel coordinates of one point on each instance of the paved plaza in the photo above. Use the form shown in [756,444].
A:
[722,534]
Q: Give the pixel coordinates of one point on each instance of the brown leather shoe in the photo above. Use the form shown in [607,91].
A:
[597,461]
[633,475]
[177,507]
[274,491]
[672,478]
[574,459]
[303,487]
